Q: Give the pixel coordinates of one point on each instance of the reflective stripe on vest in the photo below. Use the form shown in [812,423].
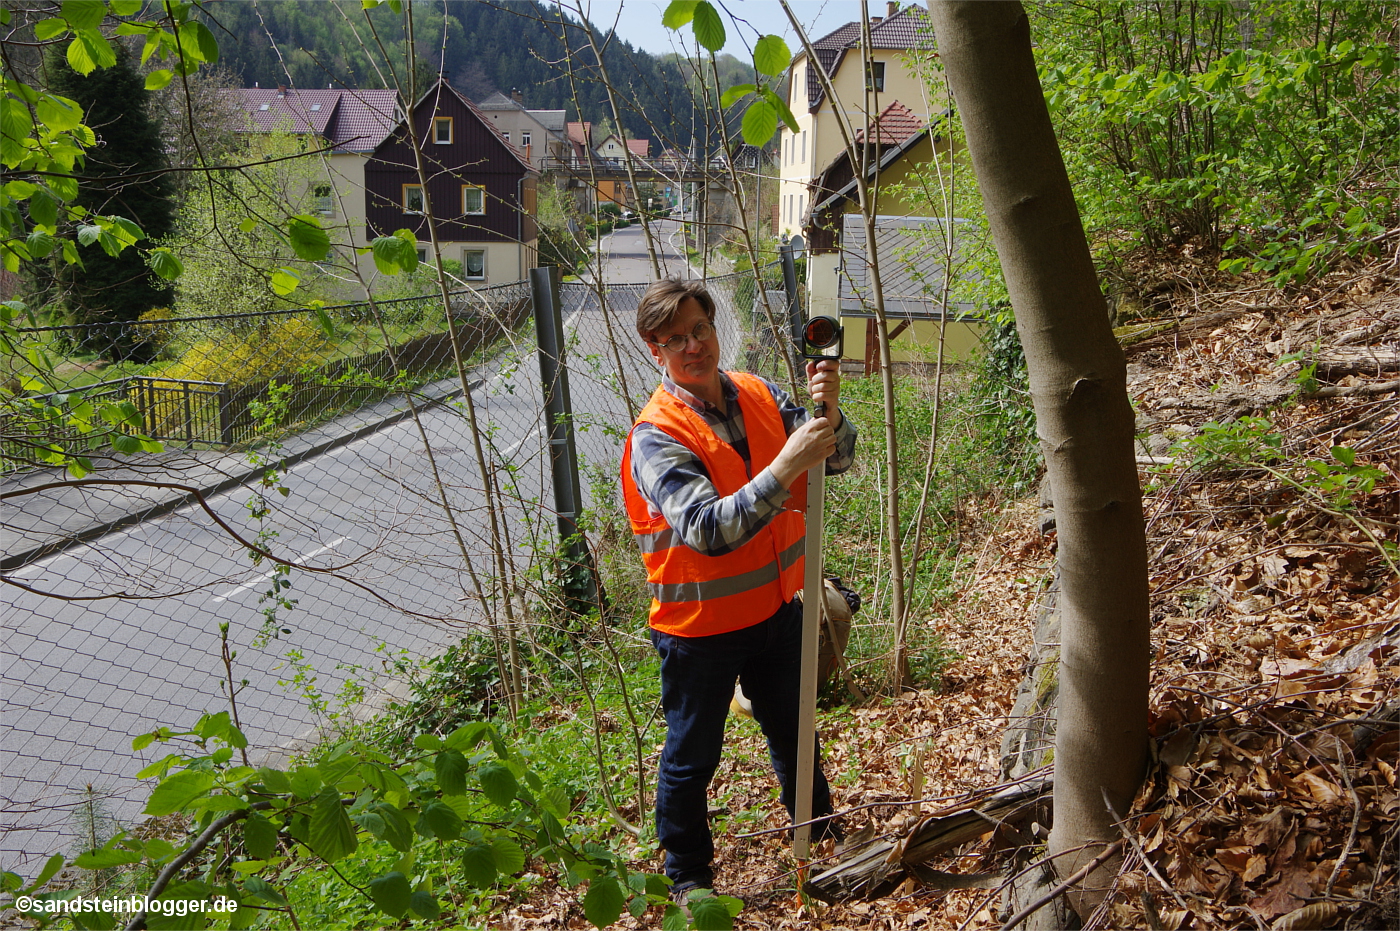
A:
[695,595]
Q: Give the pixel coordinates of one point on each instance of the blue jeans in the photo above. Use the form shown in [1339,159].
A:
[697,683]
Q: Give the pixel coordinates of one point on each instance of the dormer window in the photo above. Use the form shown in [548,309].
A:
[263,107]
[442,130]
[315,108]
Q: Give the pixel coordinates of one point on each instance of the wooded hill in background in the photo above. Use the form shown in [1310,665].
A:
[481,47]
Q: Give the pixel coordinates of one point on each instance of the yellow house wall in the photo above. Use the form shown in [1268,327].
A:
[823,134]
[918,342]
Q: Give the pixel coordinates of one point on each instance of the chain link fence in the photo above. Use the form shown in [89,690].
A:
[345,492]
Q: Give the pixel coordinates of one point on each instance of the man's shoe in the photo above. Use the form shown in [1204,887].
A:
[680,892]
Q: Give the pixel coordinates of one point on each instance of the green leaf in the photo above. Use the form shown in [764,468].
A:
[736,93]
[427,741]
[709,28]
[1345,455]
[603,903]
[247,225]
[276,781]
[678,13]
[259,837]
[50,870]
[710,914]
[398,833]
[324,319]
[158,79]
[424,904]
[89,51]
[451,769]
[479,866]
[39,243]
[508,855]
[760,122]
[208,45]
[285,281]
[498,782]
[102,859]
[58,113]
[309,241]
[83,14]
[44,209]
[439,820]
[127,7]
[391,892]
[331,834]
[305,781]
[179,790]
[165,263]
[771,55]
[779,104]
[259,888]
[393,254]
[674,919]
[467,736]
[46,29]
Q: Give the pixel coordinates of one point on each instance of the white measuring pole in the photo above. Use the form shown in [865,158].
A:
[813,596]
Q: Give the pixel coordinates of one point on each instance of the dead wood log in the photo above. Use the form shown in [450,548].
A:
[1156,335]
[876,868]
[1364,360]
[1347,391]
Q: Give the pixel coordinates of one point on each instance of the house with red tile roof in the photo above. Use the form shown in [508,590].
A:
[865,80]
[895,116]
[480,189]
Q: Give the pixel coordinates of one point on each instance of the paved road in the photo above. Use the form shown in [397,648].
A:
[126,637]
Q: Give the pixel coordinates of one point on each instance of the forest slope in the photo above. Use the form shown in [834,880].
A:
[1269,435]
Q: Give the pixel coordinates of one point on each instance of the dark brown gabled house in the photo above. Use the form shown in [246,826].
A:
[480,191]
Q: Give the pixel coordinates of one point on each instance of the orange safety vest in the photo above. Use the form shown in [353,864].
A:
[693,595]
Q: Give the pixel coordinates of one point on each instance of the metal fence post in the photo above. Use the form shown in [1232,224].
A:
[796,318]
[579,577]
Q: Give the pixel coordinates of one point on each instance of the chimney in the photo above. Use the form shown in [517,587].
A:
[281,90]
[891,8]
[517,96]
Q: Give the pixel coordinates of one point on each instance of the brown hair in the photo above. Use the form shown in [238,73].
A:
[662,302]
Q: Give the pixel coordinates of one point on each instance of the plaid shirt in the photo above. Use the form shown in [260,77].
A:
[676,486]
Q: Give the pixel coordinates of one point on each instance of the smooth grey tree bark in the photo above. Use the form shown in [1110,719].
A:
[1085,424]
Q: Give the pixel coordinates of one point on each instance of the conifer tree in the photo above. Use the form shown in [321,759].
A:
[123,176]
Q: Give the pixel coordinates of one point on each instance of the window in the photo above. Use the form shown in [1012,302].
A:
[525,140]
[422,254]
[474,264]
[473,199]
[413,198]
[803,159]
[875,76]
[325,206]
[507,136]
[442,130]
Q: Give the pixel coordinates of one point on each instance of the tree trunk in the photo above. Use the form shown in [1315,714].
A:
[1085,424]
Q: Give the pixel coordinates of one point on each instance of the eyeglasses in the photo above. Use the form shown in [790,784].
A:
[703,331]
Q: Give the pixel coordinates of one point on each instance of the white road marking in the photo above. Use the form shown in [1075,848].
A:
[267,575]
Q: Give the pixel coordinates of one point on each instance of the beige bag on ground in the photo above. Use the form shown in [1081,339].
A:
[836,620]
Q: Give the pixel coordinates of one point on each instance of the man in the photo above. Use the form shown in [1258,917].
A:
[713,480]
